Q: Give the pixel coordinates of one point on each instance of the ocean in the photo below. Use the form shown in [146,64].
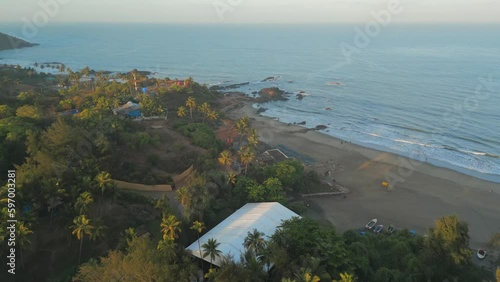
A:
[430,91]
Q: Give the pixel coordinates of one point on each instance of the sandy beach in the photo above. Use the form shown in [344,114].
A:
[421,194]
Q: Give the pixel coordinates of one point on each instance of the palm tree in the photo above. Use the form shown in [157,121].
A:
[253,137]
[54,196]
[246,157]
[346,277]
[255,242]
[99,231]
[83,202]
[30,73]
[181,112]
[205,110]
[231,178]
[225,158]
[210,248]
[183,195]
[22,238]
[163,204]
[79,229]
[170,227]
[213,115]
[191,104]
[128,235]
[198,226]
[104,181]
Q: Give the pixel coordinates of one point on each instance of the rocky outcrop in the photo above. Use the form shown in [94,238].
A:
[271,94]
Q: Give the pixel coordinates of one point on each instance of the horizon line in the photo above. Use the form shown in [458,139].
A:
[258,23]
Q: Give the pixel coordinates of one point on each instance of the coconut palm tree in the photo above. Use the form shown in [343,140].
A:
[30,73]
[99,231]
[205,110]
[183,195]
[181,112]
[163,204]
[231,178]
[83,202]
[127,236]
[213,115]
[54,196]
[104,181]
[22,238]
[255,242]
[246,157]
[198,226]
[346,277]
[225,158]
[210,248]
[191,104]
[253,137]
[79,229]
[170,227]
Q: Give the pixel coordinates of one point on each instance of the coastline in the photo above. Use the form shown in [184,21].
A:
[423,194]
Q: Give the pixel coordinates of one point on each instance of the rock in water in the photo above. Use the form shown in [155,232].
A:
[271,78]
[321,127]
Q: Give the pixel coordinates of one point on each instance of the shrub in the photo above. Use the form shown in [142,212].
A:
[153,159]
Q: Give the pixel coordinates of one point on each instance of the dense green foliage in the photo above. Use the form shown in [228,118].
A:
[201,135]
[66,199]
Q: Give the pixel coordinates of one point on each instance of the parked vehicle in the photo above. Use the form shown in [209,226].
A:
[378,228]
[371,224]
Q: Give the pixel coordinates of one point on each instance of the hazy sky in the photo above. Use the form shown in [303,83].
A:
[254,11]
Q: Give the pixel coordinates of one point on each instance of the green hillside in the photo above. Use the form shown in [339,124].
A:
[8,42]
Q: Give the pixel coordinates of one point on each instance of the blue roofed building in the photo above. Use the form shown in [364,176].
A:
[130,109]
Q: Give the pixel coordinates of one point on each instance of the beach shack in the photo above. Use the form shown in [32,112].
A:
[132,110]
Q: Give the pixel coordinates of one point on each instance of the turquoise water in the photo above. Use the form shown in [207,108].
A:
[411,90]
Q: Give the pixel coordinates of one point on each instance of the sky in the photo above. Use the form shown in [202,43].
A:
[248,11]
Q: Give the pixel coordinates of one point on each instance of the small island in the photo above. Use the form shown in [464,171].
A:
[8,42]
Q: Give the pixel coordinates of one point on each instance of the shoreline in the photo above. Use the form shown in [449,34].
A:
[424,192]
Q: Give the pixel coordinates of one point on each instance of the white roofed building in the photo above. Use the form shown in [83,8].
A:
[231,232]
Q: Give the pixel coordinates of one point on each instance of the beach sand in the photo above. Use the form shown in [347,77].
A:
[423,193]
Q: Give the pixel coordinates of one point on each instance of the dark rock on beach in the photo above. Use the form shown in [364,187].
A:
[8,42]
[261,110]
[302,123]
[321,127]
[271,94]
